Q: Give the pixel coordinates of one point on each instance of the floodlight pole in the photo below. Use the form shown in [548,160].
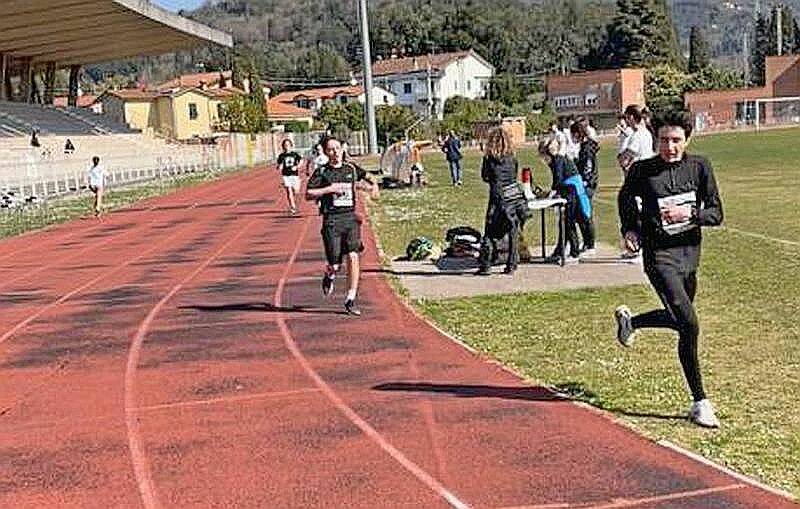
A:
[372,132]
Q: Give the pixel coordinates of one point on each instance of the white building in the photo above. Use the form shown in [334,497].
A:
[426,82]
[314,98]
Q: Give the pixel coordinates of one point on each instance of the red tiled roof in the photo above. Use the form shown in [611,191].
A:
[193,80]
[84,101]
[727,94]
[281,110]
[319,93]
[224,93]
[134,93]
[419,63]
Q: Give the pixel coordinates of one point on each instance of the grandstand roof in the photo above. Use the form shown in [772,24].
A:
[89,31]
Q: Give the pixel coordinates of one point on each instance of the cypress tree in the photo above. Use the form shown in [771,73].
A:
[698,50]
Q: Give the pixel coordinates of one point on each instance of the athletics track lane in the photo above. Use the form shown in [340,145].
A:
[202,368]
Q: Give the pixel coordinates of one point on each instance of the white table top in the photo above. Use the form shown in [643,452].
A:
[537,204]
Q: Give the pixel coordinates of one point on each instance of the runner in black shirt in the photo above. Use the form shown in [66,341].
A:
[334,186]
[289,165]
[679,195]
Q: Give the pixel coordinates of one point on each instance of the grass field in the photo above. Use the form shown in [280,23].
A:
[748,303]
[21,220]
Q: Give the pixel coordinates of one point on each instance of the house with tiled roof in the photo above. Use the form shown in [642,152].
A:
[426,82]
[280,112]
[203,80]
[315,98]
[179,113]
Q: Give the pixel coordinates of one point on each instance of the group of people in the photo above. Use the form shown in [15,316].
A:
[666,197]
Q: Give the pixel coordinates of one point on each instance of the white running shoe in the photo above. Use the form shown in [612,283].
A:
[625,330]
[702,414]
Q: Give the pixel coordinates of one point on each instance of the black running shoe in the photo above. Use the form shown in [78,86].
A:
[350,308]
[327,284]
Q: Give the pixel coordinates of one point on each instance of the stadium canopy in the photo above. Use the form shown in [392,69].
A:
[78,32]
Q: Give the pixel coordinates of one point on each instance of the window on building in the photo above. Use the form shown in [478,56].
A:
[469,85]
[591,100]
[343,99]
[192,111]
[407,88]
[568,101]
[220,110]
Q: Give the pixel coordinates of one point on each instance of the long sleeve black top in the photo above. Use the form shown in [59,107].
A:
[654,179]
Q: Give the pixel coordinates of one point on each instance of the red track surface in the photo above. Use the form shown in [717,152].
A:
[180,355]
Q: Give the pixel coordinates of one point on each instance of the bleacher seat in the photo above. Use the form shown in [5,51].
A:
[50,120]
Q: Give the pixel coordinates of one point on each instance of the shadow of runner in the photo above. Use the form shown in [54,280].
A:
[578,392]
[476,391]
[571,391]
[259,307]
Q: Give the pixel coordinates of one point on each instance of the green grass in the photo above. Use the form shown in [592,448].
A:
[749,303]
[33,217]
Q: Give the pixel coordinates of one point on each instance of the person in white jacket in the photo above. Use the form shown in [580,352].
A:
[97,182]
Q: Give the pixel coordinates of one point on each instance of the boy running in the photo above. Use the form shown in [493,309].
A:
[289,164]
[334,186]
[679,195]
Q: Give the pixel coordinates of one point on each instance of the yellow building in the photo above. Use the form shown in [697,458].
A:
[180,114]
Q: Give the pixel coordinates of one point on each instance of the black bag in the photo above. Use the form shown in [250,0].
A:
[460,231]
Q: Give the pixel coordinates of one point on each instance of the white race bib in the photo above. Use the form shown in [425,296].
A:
[345,199]
[678,200]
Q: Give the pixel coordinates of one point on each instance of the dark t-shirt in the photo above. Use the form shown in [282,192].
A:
[327,175]
[288,162]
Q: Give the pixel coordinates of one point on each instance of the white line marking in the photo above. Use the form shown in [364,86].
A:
[725,470]
[141,467]
[340,405]
[228,399]
[633,502]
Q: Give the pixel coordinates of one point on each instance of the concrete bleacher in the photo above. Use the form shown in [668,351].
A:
[51,120]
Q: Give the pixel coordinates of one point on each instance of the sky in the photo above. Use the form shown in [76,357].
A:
[176,5]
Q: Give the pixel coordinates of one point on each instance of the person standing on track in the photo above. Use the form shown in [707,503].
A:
[289,165]
[679,195]
[334,186]
[97,183]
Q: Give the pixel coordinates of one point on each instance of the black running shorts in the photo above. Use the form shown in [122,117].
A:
[341,234]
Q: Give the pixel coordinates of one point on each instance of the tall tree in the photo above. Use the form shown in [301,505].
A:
[760,50]
[787,30]
[698,50]
[642,35]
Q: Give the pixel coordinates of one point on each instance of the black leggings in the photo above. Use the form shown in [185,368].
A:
[676,291]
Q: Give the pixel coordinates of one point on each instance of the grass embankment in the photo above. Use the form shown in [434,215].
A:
[748,305]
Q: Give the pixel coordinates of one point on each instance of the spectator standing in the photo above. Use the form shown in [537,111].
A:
[452,151]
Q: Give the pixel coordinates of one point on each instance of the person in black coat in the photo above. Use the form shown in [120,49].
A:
[507,209]
[587,169]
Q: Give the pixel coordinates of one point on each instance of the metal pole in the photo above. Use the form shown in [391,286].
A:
[779,23]
[370,105]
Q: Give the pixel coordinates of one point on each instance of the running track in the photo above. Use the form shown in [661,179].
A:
[179,354]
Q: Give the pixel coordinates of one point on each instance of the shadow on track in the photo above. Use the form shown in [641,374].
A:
[571,391]
[259,307]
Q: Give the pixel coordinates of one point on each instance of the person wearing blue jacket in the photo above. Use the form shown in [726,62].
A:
[568,184]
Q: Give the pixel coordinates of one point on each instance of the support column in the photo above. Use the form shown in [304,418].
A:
[4,62]
[49,82]
[74,72]
[25,77]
